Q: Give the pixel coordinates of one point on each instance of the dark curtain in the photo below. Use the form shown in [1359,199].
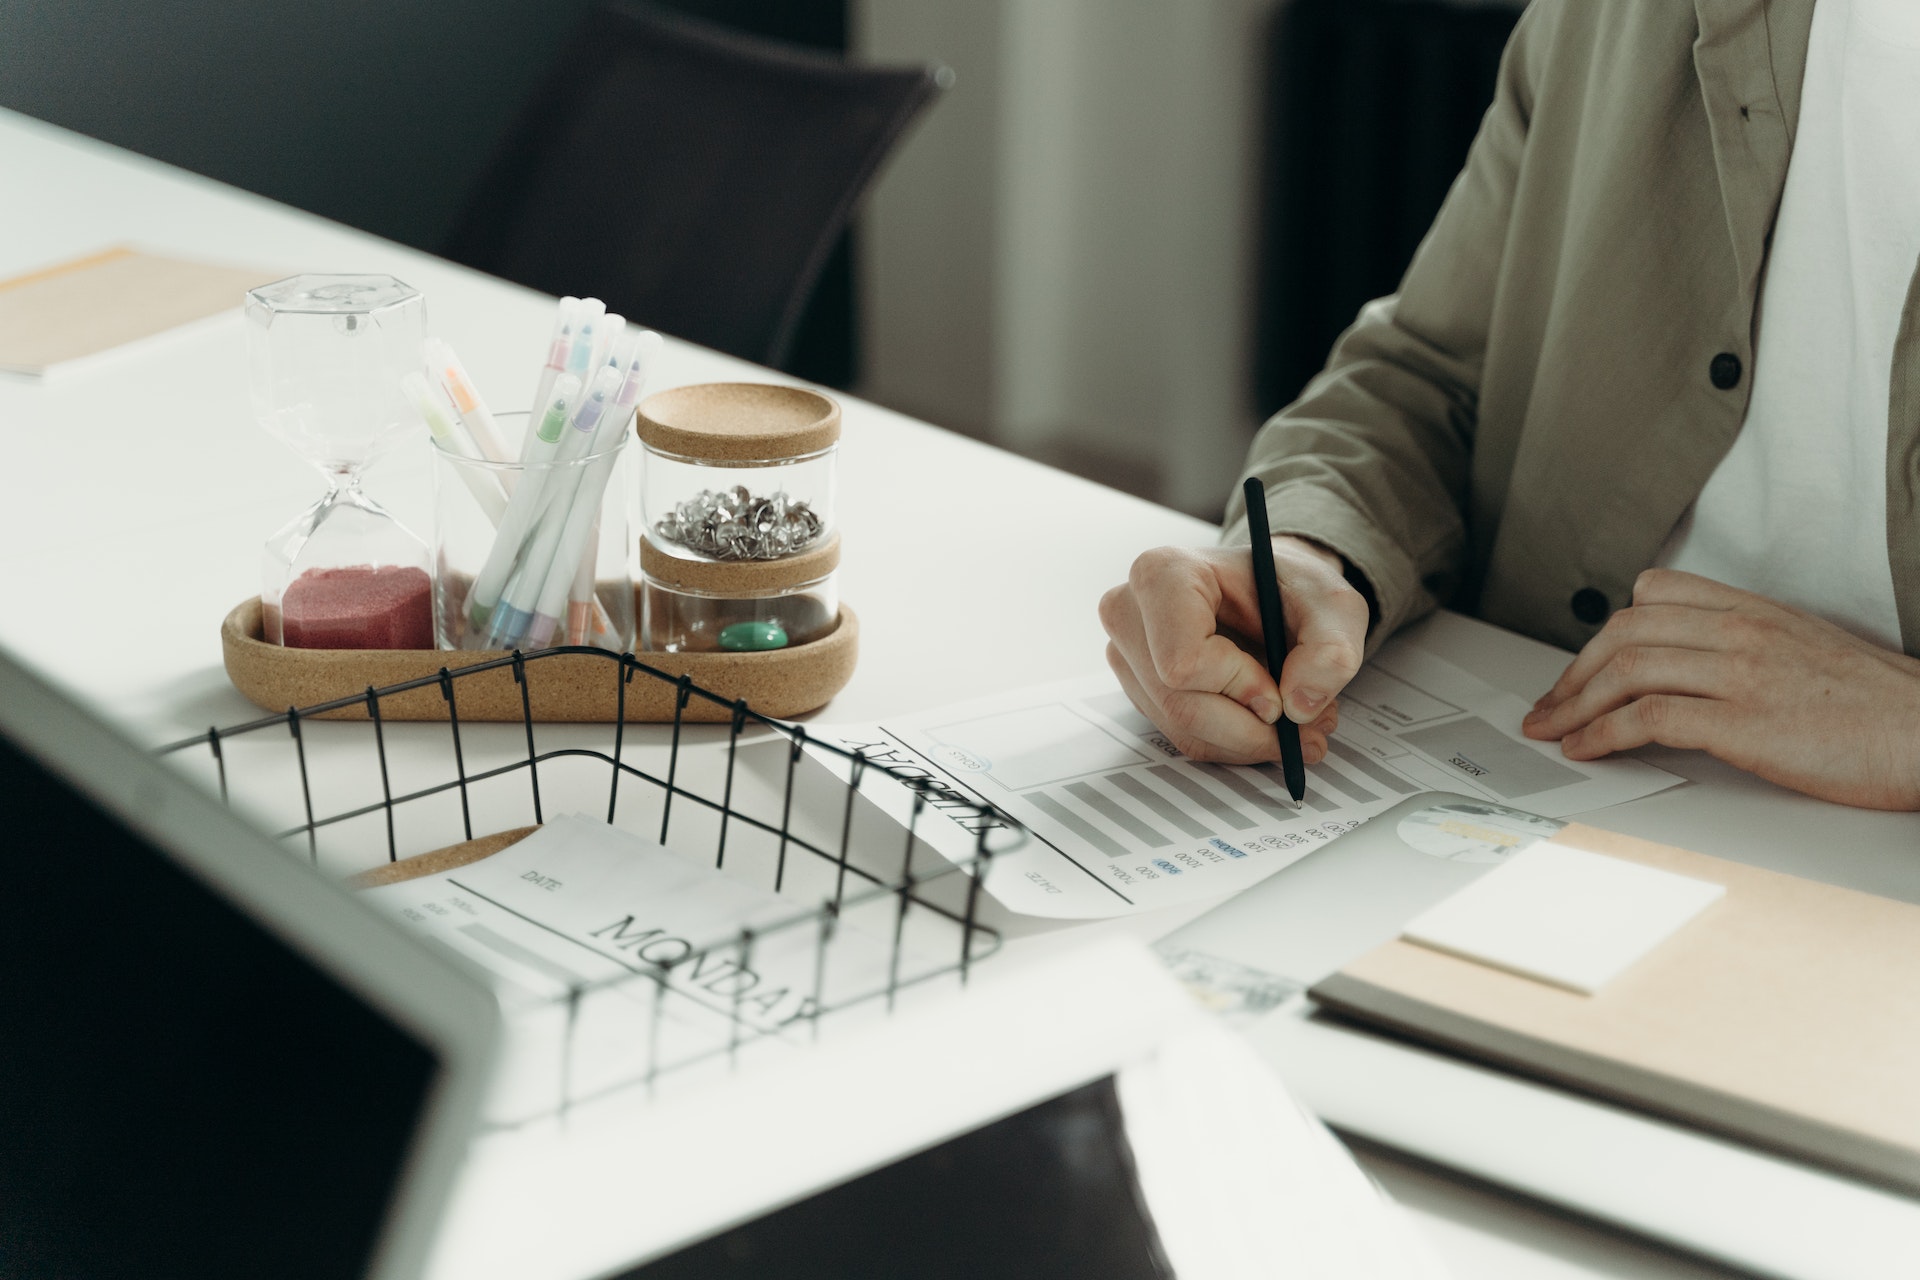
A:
[1371,106]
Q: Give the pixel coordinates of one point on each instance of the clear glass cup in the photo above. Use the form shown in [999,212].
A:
[535,606]
[738,472]
[325,356]
[677,619]
[761,509]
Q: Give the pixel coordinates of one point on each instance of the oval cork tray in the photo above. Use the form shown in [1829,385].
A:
[563,687]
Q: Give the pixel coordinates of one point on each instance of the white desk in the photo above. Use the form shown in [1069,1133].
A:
[137,495]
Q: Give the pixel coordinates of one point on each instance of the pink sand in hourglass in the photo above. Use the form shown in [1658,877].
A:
[362,607]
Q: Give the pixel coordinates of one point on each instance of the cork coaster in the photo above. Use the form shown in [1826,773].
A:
[569,687]
[429,864]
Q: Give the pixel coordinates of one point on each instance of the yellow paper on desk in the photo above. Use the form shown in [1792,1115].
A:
[108,299]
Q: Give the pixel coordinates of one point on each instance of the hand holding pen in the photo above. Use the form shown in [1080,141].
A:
[1184,630]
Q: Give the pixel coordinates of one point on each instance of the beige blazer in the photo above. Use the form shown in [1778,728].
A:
[1517,430]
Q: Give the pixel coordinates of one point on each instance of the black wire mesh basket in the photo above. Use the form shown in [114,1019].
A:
[758,800]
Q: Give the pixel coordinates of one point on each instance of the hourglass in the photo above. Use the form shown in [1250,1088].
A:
[327,353]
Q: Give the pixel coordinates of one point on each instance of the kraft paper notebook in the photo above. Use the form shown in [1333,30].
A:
[1785,1013]
[105,300]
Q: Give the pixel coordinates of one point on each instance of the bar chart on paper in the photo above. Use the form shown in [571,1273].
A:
[1122,821]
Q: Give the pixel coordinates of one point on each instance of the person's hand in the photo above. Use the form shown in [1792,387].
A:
[1185,627]
[1698,664]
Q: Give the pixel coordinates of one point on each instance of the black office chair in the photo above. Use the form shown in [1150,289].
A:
[694,178]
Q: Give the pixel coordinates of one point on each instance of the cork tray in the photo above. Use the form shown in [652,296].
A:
[568,687]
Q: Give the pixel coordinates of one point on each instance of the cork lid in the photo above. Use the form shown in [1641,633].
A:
[741,578]
[734,422]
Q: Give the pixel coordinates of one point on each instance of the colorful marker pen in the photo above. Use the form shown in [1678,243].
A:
[509,623]
[558,348]
[522,510]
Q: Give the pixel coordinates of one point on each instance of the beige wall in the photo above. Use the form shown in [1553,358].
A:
[1061,261]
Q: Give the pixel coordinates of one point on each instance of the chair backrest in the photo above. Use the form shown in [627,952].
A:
[693,178]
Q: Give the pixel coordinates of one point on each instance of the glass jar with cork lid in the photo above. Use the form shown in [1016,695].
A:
[737,501]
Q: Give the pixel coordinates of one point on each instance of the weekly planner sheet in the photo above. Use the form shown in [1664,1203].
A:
[581,924]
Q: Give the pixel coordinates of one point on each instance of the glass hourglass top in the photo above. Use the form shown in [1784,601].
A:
[325,355]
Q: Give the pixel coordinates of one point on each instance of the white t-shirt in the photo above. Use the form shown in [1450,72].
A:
[1797,510]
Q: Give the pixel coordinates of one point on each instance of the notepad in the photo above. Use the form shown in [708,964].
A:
[1563,915]
[93,304]
[1786,1013]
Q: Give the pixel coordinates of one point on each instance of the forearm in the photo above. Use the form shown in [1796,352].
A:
[1371,463]
[1374,459]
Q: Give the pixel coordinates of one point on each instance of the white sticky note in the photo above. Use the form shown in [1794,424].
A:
[1563,915]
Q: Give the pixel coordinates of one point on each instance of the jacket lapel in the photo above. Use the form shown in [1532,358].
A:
[1751,56]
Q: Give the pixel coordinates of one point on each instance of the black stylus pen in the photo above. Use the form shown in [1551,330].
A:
[1273,625]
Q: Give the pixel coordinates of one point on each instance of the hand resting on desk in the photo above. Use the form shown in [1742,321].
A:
[1694,663]
[1183,631]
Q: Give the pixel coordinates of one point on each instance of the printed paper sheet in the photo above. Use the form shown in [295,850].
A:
[1120,821]
[576,921]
